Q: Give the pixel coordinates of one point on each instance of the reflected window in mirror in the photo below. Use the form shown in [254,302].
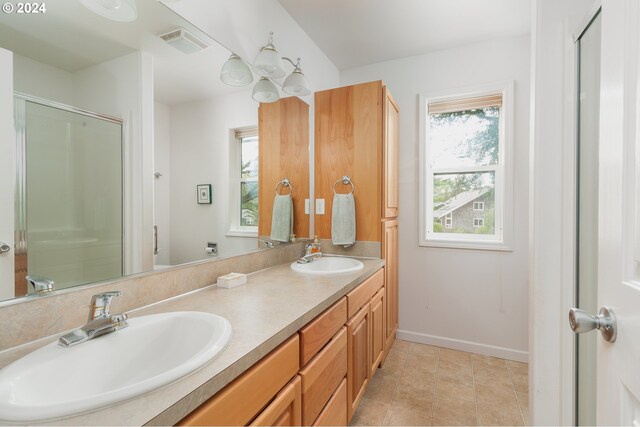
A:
[244,190]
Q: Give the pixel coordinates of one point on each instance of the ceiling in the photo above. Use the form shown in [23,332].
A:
[71,38]
[360,32]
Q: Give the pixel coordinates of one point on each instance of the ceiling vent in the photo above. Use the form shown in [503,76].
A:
[184,41]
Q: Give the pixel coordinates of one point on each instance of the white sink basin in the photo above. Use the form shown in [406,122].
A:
[54,381]
[329,265]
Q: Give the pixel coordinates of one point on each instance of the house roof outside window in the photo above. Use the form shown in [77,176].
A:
[458,201]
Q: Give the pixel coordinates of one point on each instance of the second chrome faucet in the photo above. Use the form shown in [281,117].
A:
[101,321]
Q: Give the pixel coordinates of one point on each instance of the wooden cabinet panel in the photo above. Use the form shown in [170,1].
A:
[390,153]
[283,130]
[320,330]
[322,375]
[364,292]
[239,402]
[378,332]
[390,254]
[335,413]
[286,408]
[358,354]
[348,141]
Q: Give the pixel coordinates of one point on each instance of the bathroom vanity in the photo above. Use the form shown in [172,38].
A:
[318,328]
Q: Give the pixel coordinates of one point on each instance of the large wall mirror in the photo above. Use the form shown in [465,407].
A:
[129,154]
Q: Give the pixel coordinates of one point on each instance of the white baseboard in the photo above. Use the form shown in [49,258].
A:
[471,347]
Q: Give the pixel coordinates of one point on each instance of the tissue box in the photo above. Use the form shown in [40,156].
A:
[232,280]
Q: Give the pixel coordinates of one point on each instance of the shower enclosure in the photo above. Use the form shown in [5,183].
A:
[69,194]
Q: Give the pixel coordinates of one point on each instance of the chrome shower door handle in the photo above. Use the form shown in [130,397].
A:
[4,247]
[581,321]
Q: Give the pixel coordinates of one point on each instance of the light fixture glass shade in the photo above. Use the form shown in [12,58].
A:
[235,72]
[265,91]
[296,84]
[268,63]
[115,10]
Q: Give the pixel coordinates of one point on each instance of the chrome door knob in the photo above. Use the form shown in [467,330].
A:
[581,321]
[4,248]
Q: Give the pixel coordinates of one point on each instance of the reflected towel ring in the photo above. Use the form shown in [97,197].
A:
[284,183]
[345,180]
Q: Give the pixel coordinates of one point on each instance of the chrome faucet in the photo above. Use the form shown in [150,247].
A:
[100,322]
[306,259]
[267,243]
[101,304]
[41,285]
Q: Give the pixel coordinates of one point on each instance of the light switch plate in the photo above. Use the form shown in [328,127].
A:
[306,206]
[320,206]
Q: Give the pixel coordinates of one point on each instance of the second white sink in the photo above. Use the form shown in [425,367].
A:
[329,265]
[54,381]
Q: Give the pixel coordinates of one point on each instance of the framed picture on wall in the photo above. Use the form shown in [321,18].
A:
[204,194]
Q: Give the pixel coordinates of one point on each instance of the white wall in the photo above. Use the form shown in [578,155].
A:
[466,299]
[162,185]
[123,87]
[552,176]
[42,80]
[200,155]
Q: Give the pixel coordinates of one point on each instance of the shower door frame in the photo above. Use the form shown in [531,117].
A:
[20,193]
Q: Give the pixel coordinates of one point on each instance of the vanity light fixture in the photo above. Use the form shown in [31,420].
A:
[235,72]
[296,83]
[268,62]
[269,65]
[115,10]
[265,91]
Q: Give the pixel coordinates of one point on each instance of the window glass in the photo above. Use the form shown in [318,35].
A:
[464,138]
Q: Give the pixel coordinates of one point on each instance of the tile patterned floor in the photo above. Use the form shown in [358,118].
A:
[422,385]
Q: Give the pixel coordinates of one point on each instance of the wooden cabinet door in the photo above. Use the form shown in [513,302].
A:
[358,355]
[335,413]
[239,402]
[390,254]
[286,408]
[390,153]
[378,332]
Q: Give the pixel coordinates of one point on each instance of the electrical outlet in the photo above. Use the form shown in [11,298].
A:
[320,206]
[306,206]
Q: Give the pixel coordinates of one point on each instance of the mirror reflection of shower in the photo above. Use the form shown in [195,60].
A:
[69,194]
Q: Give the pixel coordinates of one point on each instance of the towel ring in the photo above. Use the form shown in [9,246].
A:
[345,180]
[284,183]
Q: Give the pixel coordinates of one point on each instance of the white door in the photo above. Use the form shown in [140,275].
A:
[7,146]
[618,362]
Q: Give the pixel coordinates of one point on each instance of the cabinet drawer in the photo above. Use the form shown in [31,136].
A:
[335,413]
[239,402]
[322,375]
[363,293]
[285,410]
[319,331]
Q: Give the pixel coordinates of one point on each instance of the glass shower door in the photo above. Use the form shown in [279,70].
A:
[71,195]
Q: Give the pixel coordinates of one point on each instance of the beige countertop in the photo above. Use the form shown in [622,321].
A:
[273,305]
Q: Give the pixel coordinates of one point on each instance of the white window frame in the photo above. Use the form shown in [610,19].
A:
[480,206]
[480,222]
[235,180]
[503,239]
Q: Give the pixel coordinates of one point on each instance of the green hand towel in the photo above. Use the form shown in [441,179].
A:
[343,219]
[282,218]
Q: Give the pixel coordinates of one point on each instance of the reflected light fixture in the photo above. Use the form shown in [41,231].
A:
[269,65]
[265,91]
[115,10]
[235,72]
[296,83]
[268,62]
